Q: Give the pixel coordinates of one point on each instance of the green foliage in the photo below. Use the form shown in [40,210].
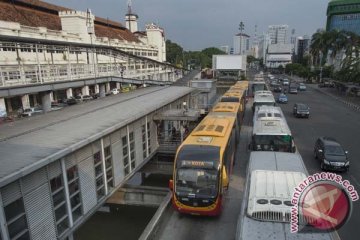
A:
[174,53]
[195,59]
[250,59]
[333,42]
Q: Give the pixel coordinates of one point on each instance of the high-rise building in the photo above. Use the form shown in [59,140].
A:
[302,47]
[278,33]
[343,15]
[264,42]
[241,44]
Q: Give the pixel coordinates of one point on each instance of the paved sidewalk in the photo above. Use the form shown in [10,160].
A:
[351,101]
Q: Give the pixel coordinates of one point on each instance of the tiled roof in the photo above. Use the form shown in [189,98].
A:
[37,13]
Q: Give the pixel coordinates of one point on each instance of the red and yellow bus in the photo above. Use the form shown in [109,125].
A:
[235,95]
[229,109]
[202,166]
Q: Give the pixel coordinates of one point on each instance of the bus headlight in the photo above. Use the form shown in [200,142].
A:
[347,163]
[326,162]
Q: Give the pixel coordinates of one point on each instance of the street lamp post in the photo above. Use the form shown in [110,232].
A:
[321,74]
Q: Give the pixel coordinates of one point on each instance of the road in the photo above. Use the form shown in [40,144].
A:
[328,117]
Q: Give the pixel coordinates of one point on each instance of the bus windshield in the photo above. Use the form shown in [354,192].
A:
[197,170]
[277,143]
[199,182]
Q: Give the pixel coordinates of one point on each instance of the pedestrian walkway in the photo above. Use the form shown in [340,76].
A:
[351,101]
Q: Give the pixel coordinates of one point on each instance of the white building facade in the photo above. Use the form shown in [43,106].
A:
[264,42]
[278,54]
[62,44]
[278,33]
[241,44]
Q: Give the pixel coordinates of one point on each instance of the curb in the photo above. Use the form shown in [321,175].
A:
[152,227]
[349,104]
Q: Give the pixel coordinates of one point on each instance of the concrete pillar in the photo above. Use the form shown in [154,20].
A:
[52,96]
[2,104]
[8,104]
[46,101]
[97,89]
[107,87]
[117,85]
[25,101]
[85,90]
[102,90]
[35,100]
[69,92]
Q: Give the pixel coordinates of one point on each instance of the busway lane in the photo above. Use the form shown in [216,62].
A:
[178,226]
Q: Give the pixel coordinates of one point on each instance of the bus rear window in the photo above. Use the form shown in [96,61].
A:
[278,143]
[229,99]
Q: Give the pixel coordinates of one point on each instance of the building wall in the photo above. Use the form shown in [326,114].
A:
[278,33]
[155,36]
[343,15]
[241,44]
[53,201]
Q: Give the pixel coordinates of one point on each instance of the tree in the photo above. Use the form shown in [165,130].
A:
[281,68]
[174,53]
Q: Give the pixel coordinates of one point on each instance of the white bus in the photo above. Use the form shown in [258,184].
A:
[266,209]
[268,112]
[263,98]
[257,86]
[272,134]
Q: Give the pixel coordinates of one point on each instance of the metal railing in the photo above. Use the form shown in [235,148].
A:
[40,74]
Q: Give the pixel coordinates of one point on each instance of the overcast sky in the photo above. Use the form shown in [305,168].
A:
[197,24]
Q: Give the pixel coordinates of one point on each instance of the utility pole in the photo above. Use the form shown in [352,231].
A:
[241,28]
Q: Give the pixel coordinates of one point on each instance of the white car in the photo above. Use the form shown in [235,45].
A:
[28,112]
[3,113]
[115,91]
[302,87]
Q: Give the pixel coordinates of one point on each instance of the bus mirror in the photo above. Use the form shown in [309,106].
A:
[225,179]
[171,184]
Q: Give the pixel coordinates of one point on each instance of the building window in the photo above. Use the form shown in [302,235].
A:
[132,150]
[109,167]
[99,176]
[143,140]
[8,47]
[74,192]
[125,155]
[16,220]
[59,203]
[149,138]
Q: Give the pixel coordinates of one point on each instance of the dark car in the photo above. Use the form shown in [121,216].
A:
[301,110]
[293,89]
[331,155]
[71,101]
[277,88]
